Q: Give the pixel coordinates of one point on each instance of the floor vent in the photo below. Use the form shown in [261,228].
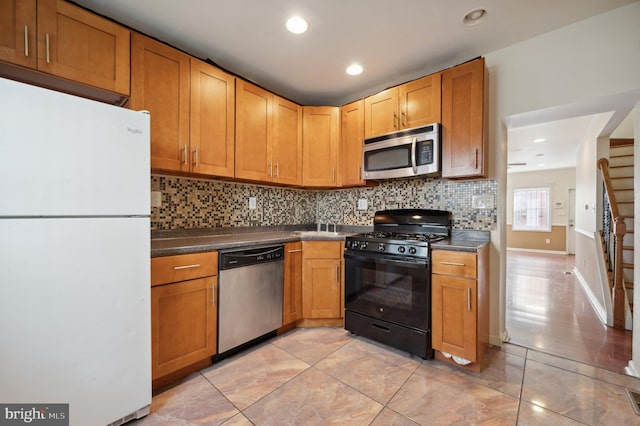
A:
[568,273]
[634,397]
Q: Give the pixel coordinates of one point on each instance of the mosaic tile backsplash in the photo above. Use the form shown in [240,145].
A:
[195,203]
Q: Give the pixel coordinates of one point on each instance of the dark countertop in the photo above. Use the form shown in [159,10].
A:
[462,240]
[167,243]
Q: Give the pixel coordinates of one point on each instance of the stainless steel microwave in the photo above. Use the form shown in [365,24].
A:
[410,152]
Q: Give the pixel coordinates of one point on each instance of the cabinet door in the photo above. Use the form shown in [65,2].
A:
[212,120]
[454,316]
[381,113]
[183,324]
[78,45]
[18,32]
[420,101]
[160,84]
[464,137]
[253,131]
[292,303]
[351,135]
[287,142]
[321,288]
[320,142]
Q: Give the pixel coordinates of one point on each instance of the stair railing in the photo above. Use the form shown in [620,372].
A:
[613,231]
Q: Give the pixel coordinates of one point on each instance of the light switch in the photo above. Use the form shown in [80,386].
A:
[252,203]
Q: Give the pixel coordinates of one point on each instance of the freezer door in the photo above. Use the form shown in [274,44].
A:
[61,155]
[75,315]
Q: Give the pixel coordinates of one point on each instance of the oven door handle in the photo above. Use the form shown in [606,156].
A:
[404,263]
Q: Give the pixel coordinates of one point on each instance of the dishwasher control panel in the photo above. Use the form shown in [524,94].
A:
[250,256]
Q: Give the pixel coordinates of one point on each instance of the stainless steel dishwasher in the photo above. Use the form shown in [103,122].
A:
[250,294]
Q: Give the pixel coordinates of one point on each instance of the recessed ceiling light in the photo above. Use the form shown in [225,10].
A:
[297,25]
[354,69]
[474,17]
[539,140]
[541,165]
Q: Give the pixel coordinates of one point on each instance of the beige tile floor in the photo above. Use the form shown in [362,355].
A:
[325,376]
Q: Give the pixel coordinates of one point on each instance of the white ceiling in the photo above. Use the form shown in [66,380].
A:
[395,41]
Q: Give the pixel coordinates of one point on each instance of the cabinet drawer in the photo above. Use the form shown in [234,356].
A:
[183,267]
[458,263]
[322,249]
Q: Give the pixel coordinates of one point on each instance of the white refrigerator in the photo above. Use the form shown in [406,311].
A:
[75,321]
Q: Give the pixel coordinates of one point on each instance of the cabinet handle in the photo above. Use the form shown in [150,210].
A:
[337,273]
[184,154]
[452,263]
[270,169]
[277,169]
[195,265]
[26,41]
[476,158]
[46,44]
[403,121]
[333,175]
[468,299]
[395,120]
[294,251]
[196,157]
[213,294]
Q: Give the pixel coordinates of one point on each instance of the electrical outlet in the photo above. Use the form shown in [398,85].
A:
[252,203]
[362,204]
[483,201]
[156,199]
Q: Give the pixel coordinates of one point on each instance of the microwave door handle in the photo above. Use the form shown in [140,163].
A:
[413,156]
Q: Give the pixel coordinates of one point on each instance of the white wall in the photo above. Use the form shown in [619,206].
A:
[594,58]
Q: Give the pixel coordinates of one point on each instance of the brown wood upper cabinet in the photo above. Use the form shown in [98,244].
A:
[268,136]
[464,120]
[321,146]
[191,105]
[61,39]
[351,136]
[412,104]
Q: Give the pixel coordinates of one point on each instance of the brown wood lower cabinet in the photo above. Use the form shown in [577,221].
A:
[292,303]
[183,311]
[322,280]
[460,304]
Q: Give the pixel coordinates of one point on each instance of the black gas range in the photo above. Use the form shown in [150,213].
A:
[388,278]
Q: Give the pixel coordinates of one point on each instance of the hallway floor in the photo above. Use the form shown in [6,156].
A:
[548,310]
[319,376]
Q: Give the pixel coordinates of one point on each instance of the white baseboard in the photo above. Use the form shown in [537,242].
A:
[537,251]
[632,369]
[593,301]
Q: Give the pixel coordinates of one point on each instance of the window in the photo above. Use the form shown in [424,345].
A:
[531,209]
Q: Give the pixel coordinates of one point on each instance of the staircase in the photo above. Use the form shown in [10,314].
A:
[621,173]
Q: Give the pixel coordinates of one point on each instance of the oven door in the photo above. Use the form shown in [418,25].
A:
[389,288]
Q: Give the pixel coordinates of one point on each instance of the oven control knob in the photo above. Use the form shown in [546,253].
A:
[363,244]
[380,247]
[401,249]
[412,250]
